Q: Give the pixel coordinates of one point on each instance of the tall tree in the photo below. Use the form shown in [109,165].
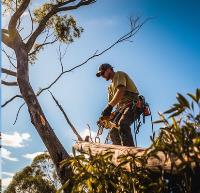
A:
[50,21]
[65,29]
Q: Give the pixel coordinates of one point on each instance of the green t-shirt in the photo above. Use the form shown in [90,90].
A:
[122,79]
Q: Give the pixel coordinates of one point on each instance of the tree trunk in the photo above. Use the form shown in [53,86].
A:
[38,119]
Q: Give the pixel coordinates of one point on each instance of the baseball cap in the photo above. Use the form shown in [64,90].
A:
[102,69]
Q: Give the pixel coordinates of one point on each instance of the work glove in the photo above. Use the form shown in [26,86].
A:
[107,111]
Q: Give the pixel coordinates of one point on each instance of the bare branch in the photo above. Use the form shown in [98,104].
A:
[16,96]
[61,56]
[9,72]
[18,113]
[67,119]
[81,3]
[41,45]
[15,17]
[134,29]
[9,83]
[31,25]
[9,58]
[57,8]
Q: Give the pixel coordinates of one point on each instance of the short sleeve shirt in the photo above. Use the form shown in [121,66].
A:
[122,79]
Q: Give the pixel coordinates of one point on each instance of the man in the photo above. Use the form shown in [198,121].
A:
[122,94]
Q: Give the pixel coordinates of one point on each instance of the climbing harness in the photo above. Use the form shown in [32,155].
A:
[140,107]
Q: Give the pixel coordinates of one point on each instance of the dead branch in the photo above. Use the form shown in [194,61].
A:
[9,72]
[41,45]
[135,27]
[18,113]
[9,58]
[8,101]
[61,56]
[9,83]
[67,119]
[31,18]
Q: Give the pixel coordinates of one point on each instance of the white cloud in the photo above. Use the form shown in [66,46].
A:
[7,155]
[6,182]
[31,156]
[8,174]
[15,140]
[86,132]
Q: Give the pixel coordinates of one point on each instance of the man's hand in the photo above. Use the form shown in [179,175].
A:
[107,111]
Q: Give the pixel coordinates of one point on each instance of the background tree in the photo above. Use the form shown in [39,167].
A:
[39,177]
[49,24]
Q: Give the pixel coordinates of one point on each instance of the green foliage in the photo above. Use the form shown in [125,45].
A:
[179,139]
[59,27]
[64,26]
[39,177]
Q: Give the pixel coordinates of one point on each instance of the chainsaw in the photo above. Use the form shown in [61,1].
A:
[106,122]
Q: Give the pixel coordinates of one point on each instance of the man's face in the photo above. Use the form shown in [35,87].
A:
[106,74]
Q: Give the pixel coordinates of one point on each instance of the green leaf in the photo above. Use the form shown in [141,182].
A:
[198,94]
[193,97]
[176,113]
[171,110]
[158,121]
[63,187]
[182,100]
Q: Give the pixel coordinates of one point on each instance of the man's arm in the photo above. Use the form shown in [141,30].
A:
[118,96]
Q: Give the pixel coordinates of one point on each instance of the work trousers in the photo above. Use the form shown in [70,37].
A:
[122,135]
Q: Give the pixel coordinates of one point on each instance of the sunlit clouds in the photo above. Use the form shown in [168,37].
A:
[15,140]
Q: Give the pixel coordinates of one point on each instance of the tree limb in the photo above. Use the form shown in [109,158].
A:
[18,113]
[16,96]
[9,72]
[6,40]
[41,45]
[15,17]
[67,119]
[10,58]
[81,3]
[31,25]
[9,83]
[54,10]
[134,29]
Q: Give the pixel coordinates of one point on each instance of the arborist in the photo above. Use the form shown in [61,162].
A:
[123,95]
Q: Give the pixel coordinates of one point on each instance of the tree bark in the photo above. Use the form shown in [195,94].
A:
[153,163]
[38,119]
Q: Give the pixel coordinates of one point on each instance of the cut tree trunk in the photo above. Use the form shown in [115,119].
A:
[162,161]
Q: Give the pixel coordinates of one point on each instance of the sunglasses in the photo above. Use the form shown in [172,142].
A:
[103,72]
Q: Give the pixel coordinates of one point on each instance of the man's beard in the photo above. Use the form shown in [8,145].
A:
[109,77]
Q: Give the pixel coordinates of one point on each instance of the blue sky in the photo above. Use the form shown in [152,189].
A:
[163,59]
